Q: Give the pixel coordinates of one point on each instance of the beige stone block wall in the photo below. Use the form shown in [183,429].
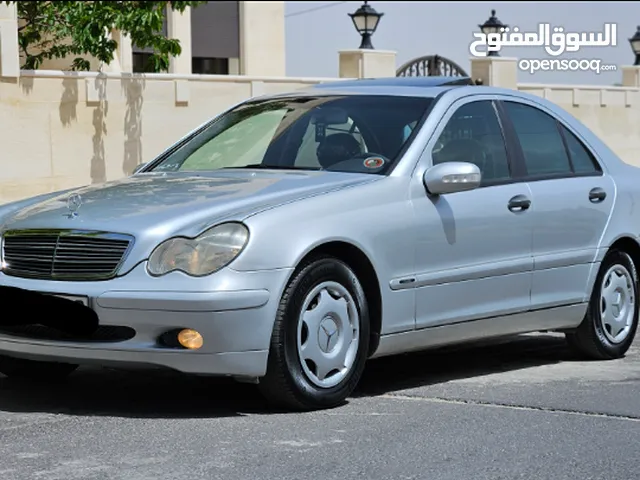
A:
[363,63]
[59,130]
[612,113]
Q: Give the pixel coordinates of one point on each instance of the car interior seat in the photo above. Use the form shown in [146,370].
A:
[336,148]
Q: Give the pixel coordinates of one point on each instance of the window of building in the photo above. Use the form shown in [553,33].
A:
[141,55]
[141,62]
[210,66]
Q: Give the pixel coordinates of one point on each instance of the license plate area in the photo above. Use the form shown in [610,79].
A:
[73,298]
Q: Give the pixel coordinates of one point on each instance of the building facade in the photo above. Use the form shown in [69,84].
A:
[223,38]
[217,38]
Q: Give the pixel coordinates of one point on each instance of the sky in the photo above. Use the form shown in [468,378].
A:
[316,31]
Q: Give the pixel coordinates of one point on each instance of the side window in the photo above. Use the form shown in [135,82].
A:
[474,135]
[581,158]
[540,139]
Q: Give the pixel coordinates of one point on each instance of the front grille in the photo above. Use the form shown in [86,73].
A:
[64,255]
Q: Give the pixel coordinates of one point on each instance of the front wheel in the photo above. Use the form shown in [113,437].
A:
[610,324]
[320,339]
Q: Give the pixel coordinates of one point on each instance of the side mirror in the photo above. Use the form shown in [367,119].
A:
[138,168]
[451,177]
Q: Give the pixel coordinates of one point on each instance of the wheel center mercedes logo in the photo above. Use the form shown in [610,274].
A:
[328,337]
[74,202]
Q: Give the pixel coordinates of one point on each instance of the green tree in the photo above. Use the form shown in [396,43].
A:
[60,29]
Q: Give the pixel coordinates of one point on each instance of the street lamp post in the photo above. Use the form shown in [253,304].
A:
[635,46]
[366,20]
[492,25]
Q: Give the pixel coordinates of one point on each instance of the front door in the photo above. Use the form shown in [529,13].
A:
[572,199]
[473,249]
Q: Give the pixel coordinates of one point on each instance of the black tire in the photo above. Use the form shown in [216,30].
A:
[286,384]
[22,369]
[589,339]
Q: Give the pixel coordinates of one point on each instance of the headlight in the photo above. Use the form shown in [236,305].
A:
[200,256]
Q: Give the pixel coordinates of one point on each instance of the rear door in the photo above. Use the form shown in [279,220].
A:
[572,200]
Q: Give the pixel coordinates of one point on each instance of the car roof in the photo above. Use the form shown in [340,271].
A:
[427,87]
[400,86]
[421,82]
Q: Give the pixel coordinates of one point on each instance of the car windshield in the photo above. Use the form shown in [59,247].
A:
[348,133]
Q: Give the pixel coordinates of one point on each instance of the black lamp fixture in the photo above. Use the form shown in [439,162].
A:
[635,46]
[493,25]
[366,20]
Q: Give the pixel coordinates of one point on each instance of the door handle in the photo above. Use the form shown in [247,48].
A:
[519,203]
[597,195]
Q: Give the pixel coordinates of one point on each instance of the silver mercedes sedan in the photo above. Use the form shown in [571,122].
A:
[295,236]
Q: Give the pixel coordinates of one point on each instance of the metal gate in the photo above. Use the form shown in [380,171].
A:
[431,66]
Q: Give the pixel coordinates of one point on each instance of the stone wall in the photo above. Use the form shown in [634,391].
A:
[62,129]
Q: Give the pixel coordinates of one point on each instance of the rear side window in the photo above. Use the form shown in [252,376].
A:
[540,139]
[581,157]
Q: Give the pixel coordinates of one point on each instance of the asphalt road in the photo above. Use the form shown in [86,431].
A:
[522,410]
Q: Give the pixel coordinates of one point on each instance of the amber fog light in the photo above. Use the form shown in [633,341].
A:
[190,339]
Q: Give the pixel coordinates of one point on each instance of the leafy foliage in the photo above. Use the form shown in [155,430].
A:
[60,29]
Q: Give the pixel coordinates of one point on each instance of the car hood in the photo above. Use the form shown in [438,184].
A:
[161,205]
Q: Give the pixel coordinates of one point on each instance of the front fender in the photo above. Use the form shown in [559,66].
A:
[377,218]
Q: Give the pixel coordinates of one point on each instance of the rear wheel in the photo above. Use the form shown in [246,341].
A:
[610,324]
[320,338]
[22,369]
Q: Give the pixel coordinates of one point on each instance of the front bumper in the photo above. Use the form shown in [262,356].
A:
[234,312]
